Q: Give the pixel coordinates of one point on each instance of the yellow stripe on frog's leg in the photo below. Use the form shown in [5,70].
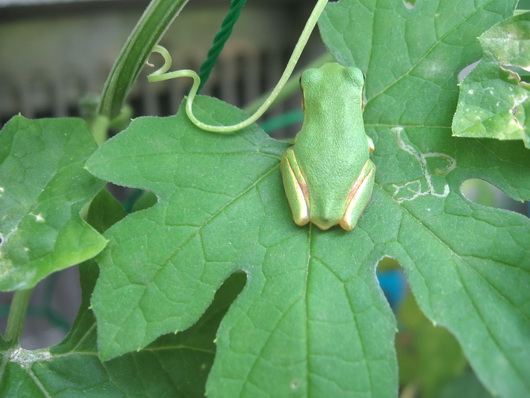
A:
[359,196]
[295,188]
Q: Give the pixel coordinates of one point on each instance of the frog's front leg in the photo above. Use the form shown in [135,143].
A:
[359,196]
[295,187]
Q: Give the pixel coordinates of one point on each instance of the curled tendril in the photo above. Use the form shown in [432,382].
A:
[162,74]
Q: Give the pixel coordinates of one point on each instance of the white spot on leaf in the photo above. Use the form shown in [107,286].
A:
[26,358]
[38,217]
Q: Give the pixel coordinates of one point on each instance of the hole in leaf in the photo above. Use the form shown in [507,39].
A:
[464,72]
[53,307]
[1,240]
[483,193]
[392,281]
[420,342]
[522,73]
[205,329]
[227,293]
[140,200]
[410,4]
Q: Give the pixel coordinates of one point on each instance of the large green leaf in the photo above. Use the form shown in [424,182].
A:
[43,187]
[494,98]
[173,366]
[468,265]
[311,320]
[222,208]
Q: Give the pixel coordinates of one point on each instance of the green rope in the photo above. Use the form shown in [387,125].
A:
[220,39]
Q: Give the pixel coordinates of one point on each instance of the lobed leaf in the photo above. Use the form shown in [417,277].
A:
[222,208]
[467,265]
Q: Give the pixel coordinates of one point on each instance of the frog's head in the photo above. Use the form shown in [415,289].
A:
[332,74]
[332,80]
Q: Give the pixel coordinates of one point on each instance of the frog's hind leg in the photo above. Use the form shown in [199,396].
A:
[359,196]
[295,188]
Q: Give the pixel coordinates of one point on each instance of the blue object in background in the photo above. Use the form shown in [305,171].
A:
[394,286]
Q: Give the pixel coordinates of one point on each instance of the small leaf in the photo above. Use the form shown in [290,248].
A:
[494,98]
[43,187]
[509,41]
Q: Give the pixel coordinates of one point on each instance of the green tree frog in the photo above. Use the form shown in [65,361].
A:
[328,175]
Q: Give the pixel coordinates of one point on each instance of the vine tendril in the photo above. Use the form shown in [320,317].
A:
[161,74]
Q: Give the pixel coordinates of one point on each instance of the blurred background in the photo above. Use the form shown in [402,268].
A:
[55,52]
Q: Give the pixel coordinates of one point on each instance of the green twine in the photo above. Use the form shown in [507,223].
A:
[220,39]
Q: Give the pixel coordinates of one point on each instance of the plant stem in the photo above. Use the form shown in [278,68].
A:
[17,315]
[100,128]
[147,32]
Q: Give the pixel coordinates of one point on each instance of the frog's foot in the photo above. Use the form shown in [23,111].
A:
[295,188]
[359,196]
